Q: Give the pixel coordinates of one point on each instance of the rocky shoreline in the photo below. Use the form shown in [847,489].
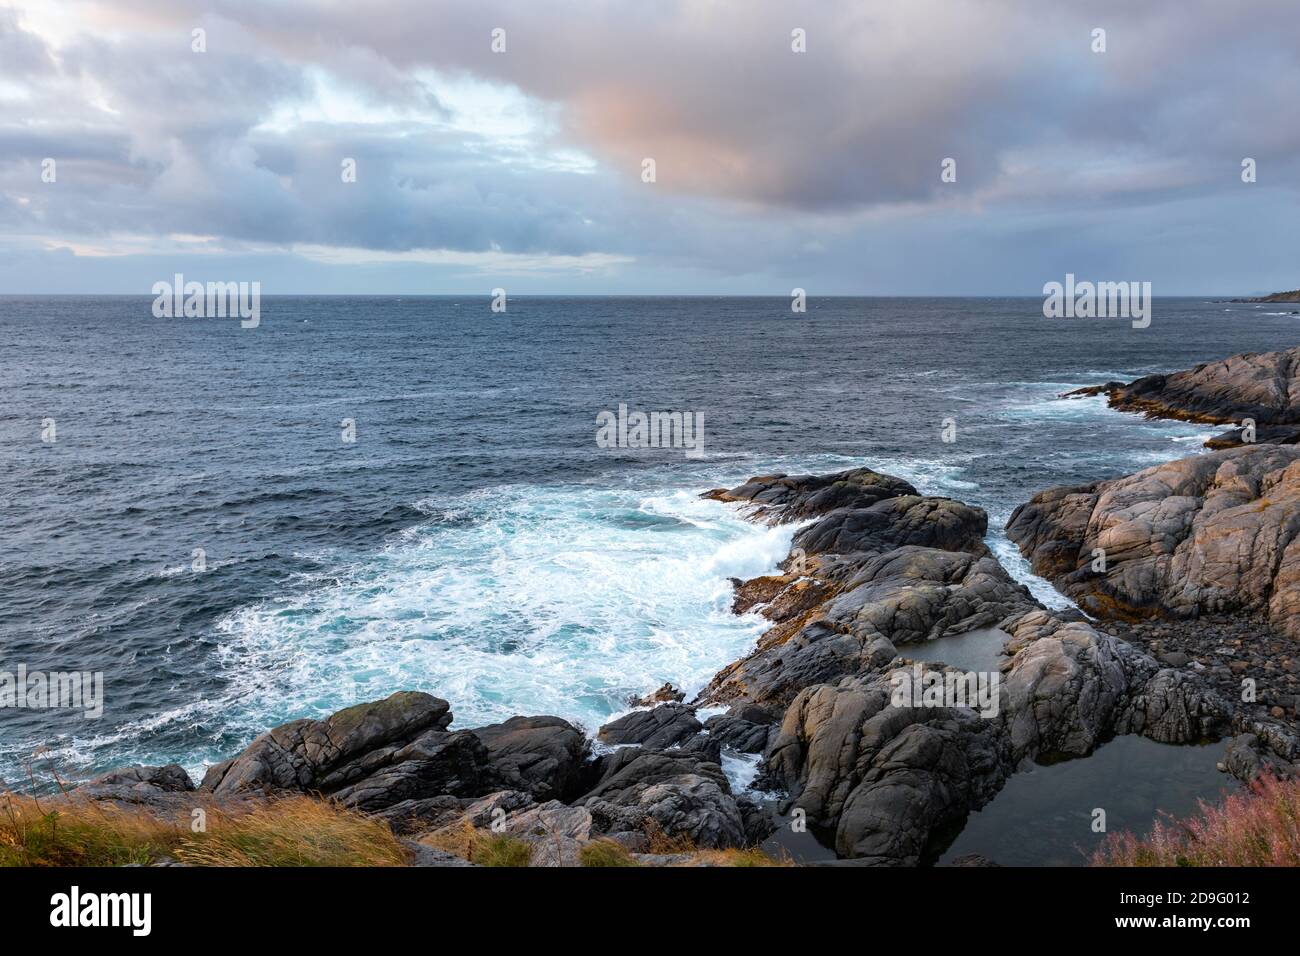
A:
[1263,388]
[880,568]
[1292,296]
[1188,574]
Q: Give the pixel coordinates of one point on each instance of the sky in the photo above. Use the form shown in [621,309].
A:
[523,167]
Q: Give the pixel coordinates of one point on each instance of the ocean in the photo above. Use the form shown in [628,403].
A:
[474,541]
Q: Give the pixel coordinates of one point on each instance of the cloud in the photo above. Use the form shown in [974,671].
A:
[768,161]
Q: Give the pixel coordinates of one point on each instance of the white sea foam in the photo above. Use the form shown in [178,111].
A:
[535,600]
[741,769]
[1018,567]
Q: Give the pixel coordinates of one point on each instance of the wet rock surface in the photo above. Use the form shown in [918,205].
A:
[872,575]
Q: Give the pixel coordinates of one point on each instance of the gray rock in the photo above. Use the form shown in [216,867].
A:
[1264,387]
[171,778]
[897,522]
[664,726]
[1210,534]
[883,778]
[379,755]
[682,794]
[417,816]
[298,755]
[794,497]
[543,755]
[422,855]
[908,594]
[745,727]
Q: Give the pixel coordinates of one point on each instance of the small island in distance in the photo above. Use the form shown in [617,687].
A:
[1293,296]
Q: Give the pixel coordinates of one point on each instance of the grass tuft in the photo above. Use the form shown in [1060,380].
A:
[605,853]
[478,846]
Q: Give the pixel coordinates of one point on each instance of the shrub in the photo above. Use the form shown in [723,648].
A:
[1255,827]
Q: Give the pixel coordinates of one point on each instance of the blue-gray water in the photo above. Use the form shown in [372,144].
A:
[474,541]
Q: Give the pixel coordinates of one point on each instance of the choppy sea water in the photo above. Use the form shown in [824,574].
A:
[474,541]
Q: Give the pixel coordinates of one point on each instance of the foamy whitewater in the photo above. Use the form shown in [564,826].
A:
[563,601]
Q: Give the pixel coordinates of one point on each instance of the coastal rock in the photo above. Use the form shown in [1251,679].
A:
[661,727]
[297,755]
[555,831]
[1210,534]
[171,778]
[862,585]
[429,813]
[908,520]
[906,595]
[883,777]
[781,498]
[1069,687]
[881,567]
[1264,387]
[666,694]
[1265,435]
[1292,296]
[684,796]
[435,764]
[166,790]
[543,755]
[377,755]
[746,728]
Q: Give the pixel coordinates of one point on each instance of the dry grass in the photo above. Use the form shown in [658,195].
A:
[606,853]
[478,846]
[752,856]
[662,844]
[1257,827]
[292,832]
[298,831]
